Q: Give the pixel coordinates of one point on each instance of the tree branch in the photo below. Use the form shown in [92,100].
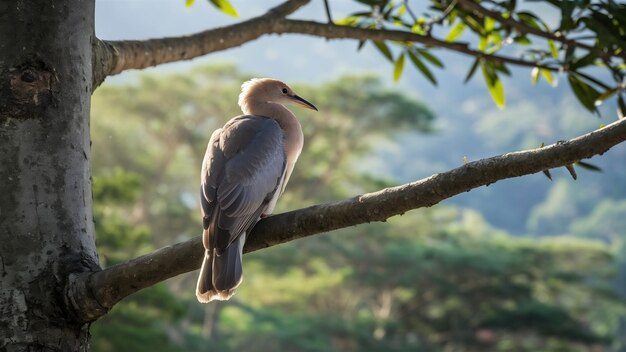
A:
[331,31]
[113,57]
[93,294]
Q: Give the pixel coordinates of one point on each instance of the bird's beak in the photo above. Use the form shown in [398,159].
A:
[302,102]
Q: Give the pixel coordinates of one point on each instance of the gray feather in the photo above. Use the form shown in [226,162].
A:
[242,170]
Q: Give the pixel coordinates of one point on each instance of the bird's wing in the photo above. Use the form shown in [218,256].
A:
[242,169]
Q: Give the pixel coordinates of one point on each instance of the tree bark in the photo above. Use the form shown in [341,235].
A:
[46,223]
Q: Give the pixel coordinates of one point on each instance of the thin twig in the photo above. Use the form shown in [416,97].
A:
[439,19]
[409,11]
[328,15]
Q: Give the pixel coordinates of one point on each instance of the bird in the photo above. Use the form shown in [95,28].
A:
[245,169]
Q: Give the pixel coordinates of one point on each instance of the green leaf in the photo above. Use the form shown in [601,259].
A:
[360,46]
[420,66]
[604,96]
[496,39]
[398,67]
[348,21]
[511,5]
[500,67]
[225,7]
[553,49]
[528,18]
[490,24]
[472,70]
[401,10]
[384,49]
[567,22]
[189,3]
[494,85]
[418,29]
[482,43]
[621,108]
[474,25]
[585,93]
[455,32]
[588,166]
[534,75]
[548,76]
[586,60]
[431,58]
[533,20]
[398,21]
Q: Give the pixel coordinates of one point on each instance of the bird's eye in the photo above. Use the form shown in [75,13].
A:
[284,90]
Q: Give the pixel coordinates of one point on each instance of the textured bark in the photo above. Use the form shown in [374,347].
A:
[112,284]
[46,226]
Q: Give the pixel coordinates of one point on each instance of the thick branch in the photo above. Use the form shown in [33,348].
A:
[113,57]
[97,292]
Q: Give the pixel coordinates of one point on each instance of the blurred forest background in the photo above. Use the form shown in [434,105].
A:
[522,265]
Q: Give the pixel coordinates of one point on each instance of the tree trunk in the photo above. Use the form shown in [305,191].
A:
[46,224]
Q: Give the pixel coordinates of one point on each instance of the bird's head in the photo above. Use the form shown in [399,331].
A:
[268,90]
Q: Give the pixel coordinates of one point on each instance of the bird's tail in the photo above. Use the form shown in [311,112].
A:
[221,274]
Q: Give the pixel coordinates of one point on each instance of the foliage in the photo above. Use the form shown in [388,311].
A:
[441,279]
[588,37]
[606,222]
[139,322]
[585,42]
[222,5]
[440,288]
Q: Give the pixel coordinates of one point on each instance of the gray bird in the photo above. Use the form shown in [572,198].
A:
[245,169]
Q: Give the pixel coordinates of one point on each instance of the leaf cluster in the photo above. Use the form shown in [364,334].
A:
[587,42]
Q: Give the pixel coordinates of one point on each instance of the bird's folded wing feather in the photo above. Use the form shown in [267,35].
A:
[241,171]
